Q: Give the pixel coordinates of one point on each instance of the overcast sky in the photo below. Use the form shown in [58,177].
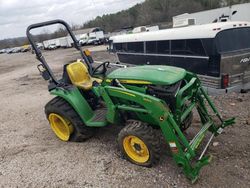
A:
[16,15]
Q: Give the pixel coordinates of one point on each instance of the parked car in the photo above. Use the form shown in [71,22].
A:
[39,46]
[52,47]
[92,40]
[17,50]
[2,51]
[25,49]
[10,50]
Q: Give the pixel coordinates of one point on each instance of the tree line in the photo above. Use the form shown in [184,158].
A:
[155,11]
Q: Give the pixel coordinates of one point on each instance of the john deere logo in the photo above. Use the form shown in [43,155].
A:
[245,60]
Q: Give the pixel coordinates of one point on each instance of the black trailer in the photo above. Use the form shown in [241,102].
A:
[219,52]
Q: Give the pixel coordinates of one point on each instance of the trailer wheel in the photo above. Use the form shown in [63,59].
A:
[65,122]
[139,144]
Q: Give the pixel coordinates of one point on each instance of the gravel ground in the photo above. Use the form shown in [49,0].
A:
[31,155]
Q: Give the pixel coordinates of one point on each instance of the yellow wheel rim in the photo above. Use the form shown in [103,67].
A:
[61,126]
[136,149]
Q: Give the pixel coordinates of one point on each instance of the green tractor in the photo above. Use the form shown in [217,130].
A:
[141,98]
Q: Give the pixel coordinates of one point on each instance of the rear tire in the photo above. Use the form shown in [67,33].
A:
[139,144]
[58,107]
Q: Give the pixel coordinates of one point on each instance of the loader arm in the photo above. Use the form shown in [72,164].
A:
[183,150]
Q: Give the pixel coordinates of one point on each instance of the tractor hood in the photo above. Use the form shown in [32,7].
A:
[148,74]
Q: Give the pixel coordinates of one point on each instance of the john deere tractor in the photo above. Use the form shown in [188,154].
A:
[140,98]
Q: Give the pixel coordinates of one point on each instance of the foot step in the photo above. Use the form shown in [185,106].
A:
[100,114]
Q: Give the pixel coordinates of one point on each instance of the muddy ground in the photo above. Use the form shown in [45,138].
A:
[31,155]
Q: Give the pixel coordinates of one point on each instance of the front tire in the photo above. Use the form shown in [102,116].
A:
[65,122]
[139,144]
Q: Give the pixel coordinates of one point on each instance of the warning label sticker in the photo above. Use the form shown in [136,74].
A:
[172,144]
[173,147]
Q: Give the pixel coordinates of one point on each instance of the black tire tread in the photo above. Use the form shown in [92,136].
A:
[60,106]
[145,133]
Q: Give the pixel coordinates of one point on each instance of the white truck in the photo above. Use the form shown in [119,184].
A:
[96,38]
[145,29]
[83,39]
[239,12]
[48,43]
[64,42]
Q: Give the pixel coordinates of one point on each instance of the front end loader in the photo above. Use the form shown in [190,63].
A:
[142,99]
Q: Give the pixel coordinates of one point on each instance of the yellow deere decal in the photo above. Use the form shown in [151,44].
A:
[147,100]
[107,80]
[124,92]
[134,82]
[199,141]
[130,81]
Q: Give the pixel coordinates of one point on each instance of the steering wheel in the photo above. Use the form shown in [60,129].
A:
[104,66]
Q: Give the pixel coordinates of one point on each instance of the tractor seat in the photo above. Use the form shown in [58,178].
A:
[79,76]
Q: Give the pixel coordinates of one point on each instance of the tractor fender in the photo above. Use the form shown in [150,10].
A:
[73,96]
